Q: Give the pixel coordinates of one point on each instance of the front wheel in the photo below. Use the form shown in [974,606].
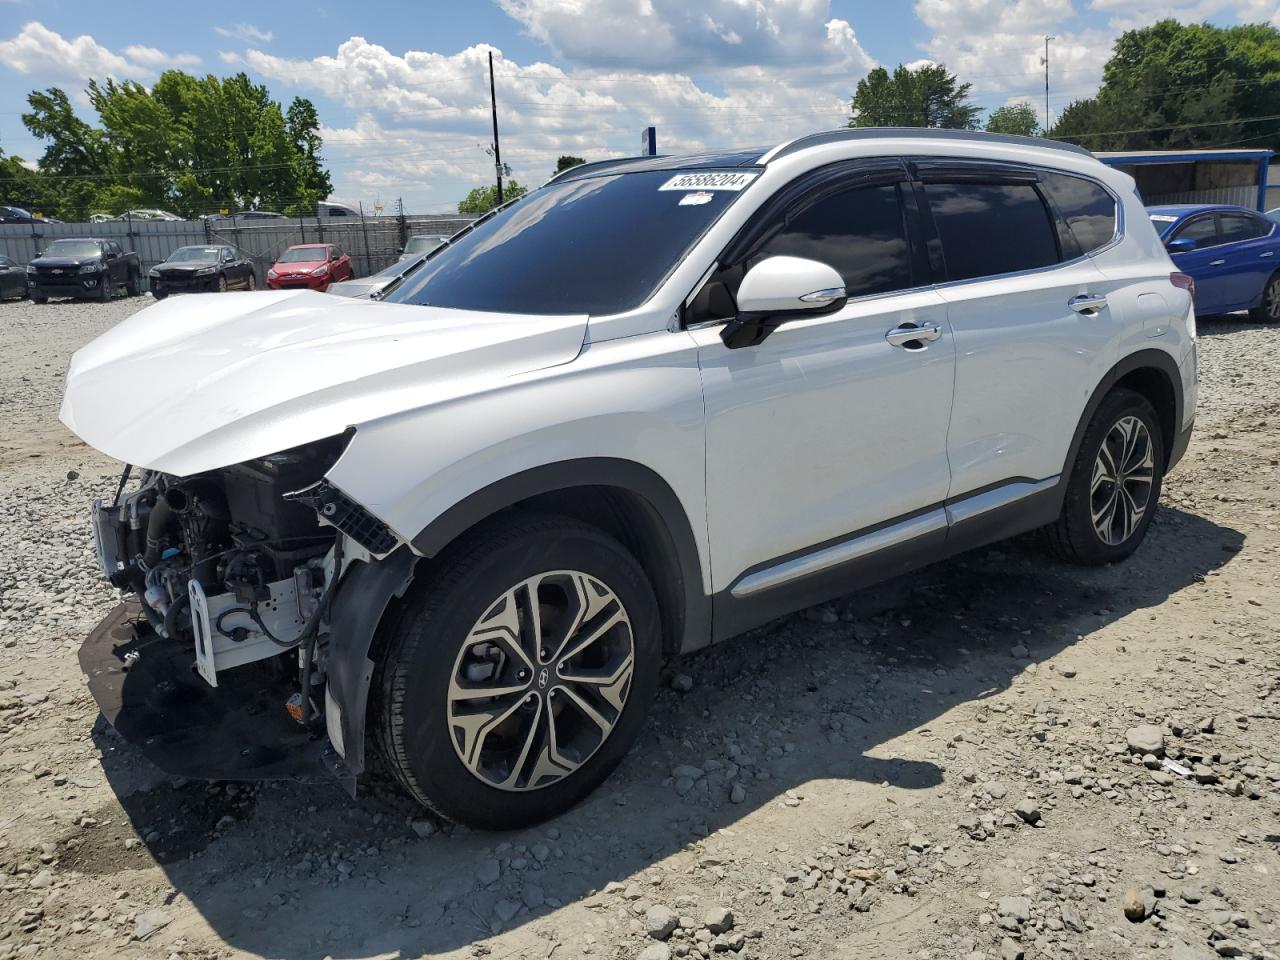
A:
[252,285]
[133,287]
[516,678]
[106,289]
[222,283]
[1268,311]
[39,299]
[1114,485]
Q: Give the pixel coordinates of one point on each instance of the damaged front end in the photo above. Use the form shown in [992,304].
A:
[218,662]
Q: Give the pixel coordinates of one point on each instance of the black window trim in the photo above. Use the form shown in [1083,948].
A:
[802,192]
[1196,218]
[1244,215]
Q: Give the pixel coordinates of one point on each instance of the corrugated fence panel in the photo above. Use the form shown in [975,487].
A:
[372,242]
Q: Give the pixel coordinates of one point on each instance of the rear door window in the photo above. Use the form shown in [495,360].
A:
[1086,206]
[1238,227]
[989,229]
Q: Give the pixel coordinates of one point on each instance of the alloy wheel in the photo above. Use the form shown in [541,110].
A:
[541,680]
[1123,472]
[1271,300]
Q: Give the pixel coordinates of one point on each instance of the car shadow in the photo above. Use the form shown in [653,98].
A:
[300,870]
[1221,325]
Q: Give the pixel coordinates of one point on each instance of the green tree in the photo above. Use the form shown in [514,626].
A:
[1016,118]
[1172,86]
[567,161]
[927,96]
[483,199]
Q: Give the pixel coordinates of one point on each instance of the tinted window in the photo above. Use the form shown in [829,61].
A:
[1089,210]
[596,245]
[991,228]
[1238,227]
[1203,230]
[859,232]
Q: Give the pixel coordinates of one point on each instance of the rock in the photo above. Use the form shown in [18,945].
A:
[995,790]
[73,475]
[149,923]
[1228,948]
[917,842]
[1138,904]
[1072,920]
[532,896]
[737,793]
[504,910]
[660,922]
[1009,950]
[718,920]
[424,828]
[489,872]
[1019,652]
[687,772]
[41,880]
[655,951]
[682,683]
[1028,811]
[1192,894]
[1145,738]
[1015,908]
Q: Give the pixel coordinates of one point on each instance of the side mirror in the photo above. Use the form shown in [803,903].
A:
[780,289]
[1181,245]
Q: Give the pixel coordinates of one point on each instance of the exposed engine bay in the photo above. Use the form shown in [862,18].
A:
[239,562]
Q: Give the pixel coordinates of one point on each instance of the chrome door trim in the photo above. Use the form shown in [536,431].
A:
[810,563]
[979,503]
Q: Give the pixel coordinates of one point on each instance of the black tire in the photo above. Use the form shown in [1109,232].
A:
[1075,537]
[106,289]
[251,284]
[1269,310]
[422,650]
[222,283]
[133,286]
[39,299]
[159,294]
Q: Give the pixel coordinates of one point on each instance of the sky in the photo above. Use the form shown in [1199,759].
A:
[403,93]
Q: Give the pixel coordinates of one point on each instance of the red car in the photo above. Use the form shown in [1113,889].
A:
[311,266]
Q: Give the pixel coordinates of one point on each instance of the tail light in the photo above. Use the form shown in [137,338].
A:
[1184,282]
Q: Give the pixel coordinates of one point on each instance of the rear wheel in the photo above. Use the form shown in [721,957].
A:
[133,287]
[159,294]
[516,679]
[1269,310]
[1115,484]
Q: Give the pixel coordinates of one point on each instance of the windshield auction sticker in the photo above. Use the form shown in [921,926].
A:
[709,181]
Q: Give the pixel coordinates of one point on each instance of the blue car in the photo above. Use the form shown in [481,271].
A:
[1232,253]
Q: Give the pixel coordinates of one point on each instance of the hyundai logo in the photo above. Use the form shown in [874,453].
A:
[544,677]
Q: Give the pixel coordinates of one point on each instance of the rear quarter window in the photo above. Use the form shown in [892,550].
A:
[1088,209]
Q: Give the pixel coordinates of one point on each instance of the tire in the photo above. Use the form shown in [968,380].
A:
[1124,431]
[133,286]
[1268,311]
[158,294]
[222,283]
[40,300]
[252,283]
[444,633]
[106,289]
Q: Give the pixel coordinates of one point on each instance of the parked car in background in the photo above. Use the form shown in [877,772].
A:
[374,285]
[18,215]
[422,244]
[310,266]
[202,269]
[100,217]
[147,215]
[85,269]
[246,215]
[336,208]
[1274,214]
[1232,253]
[13,279]
[649,407]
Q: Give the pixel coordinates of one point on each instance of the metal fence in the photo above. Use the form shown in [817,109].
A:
[372,242]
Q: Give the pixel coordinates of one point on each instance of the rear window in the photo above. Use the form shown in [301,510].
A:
[988,229]
[1237,227]
[1088,209]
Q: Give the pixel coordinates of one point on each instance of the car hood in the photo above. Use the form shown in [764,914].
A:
[298,266]
[187,266]
[362,287]
[186,386]
[63,262]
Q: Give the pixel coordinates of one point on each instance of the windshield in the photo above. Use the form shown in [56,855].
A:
[599,245]
[1162,222]
[422,244]
[303,255]
[193,255]
[72,248]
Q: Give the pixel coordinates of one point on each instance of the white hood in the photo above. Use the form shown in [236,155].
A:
[205,381]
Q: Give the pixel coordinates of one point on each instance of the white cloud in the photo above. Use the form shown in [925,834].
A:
[1132,14]
[38,51]
[246,32]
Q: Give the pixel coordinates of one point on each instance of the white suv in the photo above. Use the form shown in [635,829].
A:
[648,406]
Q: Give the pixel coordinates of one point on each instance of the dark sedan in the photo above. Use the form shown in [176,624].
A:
[13,279]
[202,269]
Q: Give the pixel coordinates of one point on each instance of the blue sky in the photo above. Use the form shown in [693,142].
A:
[403,94]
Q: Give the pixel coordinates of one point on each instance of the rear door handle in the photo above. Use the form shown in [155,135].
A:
[1216,263]
[908,333]
[1269,253]
[1087,303]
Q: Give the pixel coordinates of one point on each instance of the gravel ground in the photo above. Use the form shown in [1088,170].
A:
[972,768]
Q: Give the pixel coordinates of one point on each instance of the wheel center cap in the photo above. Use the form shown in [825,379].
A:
[544,677]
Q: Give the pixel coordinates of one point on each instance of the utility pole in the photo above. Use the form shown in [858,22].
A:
[497,153]
[1045,60]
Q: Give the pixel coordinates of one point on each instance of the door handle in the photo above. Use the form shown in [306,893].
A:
[908,333]
[1216,263]
[1087,303]
[1269,253]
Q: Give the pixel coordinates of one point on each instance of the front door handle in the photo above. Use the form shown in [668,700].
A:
[1087,303]
[1216,263]
[909,333]
[1269,253]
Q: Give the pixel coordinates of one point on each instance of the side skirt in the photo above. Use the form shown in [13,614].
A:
[779,587]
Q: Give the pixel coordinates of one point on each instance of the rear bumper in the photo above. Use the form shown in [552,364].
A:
[154,700]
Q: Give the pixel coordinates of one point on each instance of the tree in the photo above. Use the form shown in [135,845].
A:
[187,144]
[1177,86]
[483,199]
[927,96]
[1016,118]
[566,161]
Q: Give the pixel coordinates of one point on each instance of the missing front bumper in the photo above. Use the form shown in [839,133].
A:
[148,691]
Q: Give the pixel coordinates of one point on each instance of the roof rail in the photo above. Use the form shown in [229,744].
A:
[592,166]
[921,133]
